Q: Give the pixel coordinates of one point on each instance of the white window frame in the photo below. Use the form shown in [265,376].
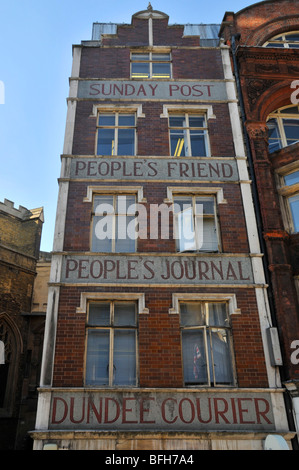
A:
[187,134]
[112,328]
[217,193]
[278,116]
[116,127]
[202,110]
[150,62]
[92,191]
[231,305]
[284,41]
[285,193]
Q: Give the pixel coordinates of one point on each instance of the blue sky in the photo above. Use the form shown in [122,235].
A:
[36,39]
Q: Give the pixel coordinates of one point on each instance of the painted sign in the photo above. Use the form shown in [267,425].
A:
[156,269]
[154,169]
[176,411]
[152,90]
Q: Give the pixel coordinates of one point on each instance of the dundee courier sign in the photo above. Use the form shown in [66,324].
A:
[152,90]
[175,411]
[107,269]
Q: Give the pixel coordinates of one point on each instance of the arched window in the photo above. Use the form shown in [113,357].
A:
[11,339]
[283,126]
[288,40]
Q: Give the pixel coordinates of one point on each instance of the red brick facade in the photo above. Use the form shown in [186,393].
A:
[160,365]
[266,75]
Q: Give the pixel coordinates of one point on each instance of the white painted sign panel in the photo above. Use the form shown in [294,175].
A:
[206,90]
[156,269]
[151,169]
[171,411]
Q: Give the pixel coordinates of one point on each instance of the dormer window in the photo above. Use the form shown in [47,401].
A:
[150,65]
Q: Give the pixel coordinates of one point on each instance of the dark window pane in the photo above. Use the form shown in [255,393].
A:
[124,357]
[106,142]
[194,359]
[97,364]
[192,314]
[196,121]
[217,314]
[219,357]
[99,314]
[126,120]
[126,142]
[177,121]
[292,178]
[161,70]
[291,128]
[140,56]
[106,120]
[125,314]
[140,70]
[177,143]
[198,145]
[125,234]
[294,205]
[103,204]
[102,234]
[162,57]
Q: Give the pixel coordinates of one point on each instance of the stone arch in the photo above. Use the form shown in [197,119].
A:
[268,99]
[11,337]
[272,28]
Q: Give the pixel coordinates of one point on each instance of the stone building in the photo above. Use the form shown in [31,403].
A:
[264,41]
[158,320]
[21,334]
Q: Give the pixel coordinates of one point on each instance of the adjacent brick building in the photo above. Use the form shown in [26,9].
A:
[21,334]
[160,341]
[265,42]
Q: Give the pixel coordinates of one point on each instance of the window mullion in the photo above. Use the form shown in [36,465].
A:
[116,134]
[281,131]
[114,222]
[111,359]
[207,355]
[195,230]
[188,137]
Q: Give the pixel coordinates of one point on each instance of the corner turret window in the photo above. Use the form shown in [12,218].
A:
[283,127]
[286,40]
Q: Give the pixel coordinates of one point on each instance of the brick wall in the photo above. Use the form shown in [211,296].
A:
[266,76]
[159,337]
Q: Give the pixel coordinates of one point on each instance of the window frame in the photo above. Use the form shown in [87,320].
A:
[115,215]
[116,113]
[284,41]
[194,196]
[112,328]
[286,192]
[204,304]
[186,114]
[279,116]
[150,61]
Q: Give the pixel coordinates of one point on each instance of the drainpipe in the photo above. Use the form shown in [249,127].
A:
[288,402]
